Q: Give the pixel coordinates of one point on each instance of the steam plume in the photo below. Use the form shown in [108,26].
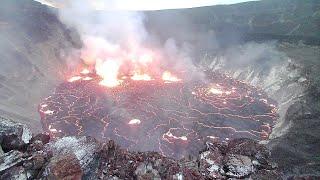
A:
[119,36]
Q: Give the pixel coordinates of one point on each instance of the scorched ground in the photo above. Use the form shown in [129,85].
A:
[172,117]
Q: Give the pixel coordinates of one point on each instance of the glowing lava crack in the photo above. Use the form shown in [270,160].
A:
[173,118]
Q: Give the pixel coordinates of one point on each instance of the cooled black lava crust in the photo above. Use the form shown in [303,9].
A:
[175,118]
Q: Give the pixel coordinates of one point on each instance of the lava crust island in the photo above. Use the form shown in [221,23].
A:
[174,116]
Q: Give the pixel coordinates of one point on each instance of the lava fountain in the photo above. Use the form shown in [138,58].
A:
[166,113]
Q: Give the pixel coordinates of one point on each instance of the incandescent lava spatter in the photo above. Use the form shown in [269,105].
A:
[174,118]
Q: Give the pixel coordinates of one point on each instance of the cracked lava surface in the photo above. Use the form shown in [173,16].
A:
[174,118]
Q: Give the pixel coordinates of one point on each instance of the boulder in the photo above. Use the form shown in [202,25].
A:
[65,166]
[10,159]
[43,137]
[83,148]
[13,136]
[238,166]
[211,163]
[36,162]
[15,173]
[35,146]
[146,171]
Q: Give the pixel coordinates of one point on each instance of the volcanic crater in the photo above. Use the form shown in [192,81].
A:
[174,118]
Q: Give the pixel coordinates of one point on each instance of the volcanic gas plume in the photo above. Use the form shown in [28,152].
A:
[164,112]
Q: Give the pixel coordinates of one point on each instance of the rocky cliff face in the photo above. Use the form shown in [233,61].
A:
[284,20]
[273,45]
[294,84]
[32,42]
[281,75]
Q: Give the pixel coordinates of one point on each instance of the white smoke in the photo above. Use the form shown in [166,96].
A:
[119,35]
[104,32]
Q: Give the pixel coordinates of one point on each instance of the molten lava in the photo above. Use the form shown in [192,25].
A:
[215,91]
[85,71]
[141,77]
[75,78]
[174,119]
[134,121]
[108,70]
[167,76]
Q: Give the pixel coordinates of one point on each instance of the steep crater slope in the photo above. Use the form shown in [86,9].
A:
[32,41]
[293,81]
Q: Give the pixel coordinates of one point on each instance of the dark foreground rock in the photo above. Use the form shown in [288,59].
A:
[13,135]
[10,159]
[72,158]
[65,166]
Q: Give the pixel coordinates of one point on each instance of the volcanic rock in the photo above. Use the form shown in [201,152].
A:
[82,147]
[27,75]
[36,161]
[38,142]
[35,146]
[72,158]
[267,175]
[10,159]
[43,137]
[190,167]
[247,147]
[39,37]
[211,163]
[252,149]
[1,151]
[66,166]
[238,166]
[146,171]
[15,173]
[13,135]
[306,177]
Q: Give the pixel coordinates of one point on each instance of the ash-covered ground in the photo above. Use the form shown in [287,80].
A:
[173,118]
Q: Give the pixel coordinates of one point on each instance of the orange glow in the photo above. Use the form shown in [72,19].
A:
[141,77]
[134,121]
[75,78]
[215,91]
[167,76]
[145,59]
[108,70]
[48,112]
[184,138]
[171,136]
[53,130]
[85,71]
[228,92]
[87,78]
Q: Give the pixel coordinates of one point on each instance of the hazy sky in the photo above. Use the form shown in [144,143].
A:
[145,4]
